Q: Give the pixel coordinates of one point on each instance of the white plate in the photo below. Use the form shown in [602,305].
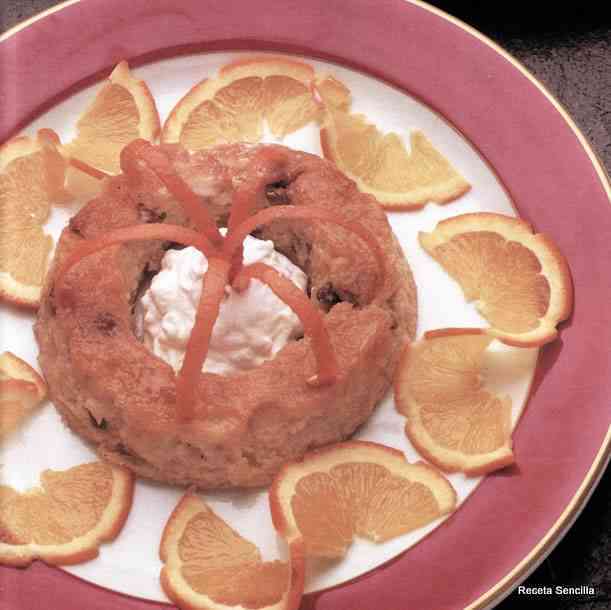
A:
[130,564]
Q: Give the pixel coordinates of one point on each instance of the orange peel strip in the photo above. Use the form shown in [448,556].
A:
[311,318]
[98,174]
[142,151]
[181,235]
[267,167]
[234,240]
[213,292]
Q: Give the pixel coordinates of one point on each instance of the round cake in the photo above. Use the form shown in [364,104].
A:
[113,391]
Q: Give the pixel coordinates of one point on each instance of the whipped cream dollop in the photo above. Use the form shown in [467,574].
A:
[252,326]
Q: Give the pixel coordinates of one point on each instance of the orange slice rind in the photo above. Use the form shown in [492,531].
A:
[32,173]
[519,279]
[452,419]
[352,489]
[379,163]
[66,520]
[43,150]
[21,390]
[122,110]
[233,106]
[209,566]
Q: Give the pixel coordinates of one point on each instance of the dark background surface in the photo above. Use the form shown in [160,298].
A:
[568,48]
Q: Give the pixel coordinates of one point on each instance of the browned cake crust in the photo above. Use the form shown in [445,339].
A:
[112,391]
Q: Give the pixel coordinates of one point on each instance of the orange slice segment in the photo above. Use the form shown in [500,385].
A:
[233,106]
[65,520]
[352,489]
[31,178]
[379,163]
[21,390]
[333,93]
[452,419]
[209,566]
[122,110]
[520,281]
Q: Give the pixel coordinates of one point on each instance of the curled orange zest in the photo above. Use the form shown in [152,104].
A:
[268,166]
[235,238]
[224,257]
[311,318]
[213,292]
[181,235]
[143,151]
[98,174]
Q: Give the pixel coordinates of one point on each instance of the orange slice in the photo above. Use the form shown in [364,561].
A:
[333,93]
[379,163]
[13,367]
[452,419]
[352,489]
[122,110]
[209,566]
[31,178]
[232,107]
[21,390]
[65,520]
[519,280]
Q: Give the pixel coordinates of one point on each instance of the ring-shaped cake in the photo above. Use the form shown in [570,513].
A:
[115,393]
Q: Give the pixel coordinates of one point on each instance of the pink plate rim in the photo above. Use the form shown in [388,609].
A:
[563,441]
